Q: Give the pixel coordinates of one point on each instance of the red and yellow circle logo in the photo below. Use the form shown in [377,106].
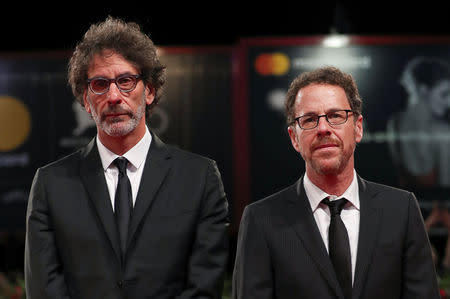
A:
[276,64]
[15,123]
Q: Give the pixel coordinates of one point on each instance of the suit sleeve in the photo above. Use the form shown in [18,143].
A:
[419,273]
[43,270]
[208,261]
[252,275]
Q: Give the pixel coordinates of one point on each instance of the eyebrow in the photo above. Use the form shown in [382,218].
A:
[328,111]
[120,75]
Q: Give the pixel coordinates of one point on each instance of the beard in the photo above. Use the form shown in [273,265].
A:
[330,163]
[116,126]
[329,166]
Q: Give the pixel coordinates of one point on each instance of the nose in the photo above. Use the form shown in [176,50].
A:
[114,95]
[323,127]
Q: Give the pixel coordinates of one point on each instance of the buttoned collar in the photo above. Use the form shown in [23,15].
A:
[135,156]
[316,195]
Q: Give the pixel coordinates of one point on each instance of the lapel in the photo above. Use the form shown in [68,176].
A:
[368,230]
[157,165]
[299,215]
[93,178]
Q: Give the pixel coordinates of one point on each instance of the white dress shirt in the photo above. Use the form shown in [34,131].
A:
[350,214]
[136,157]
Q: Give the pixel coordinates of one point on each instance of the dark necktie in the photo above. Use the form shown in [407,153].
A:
[123,202]
[339,247]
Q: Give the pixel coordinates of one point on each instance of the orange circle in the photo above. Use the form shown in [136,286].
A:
[15,123]
[280,64]
[264,64]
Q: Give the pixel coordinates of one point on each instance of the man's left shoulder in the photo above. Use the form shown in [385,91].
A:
[383,187]
[187,158]
[383,190]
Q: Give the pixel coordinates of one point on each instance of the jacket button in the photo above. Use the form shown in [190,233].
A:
[120,284]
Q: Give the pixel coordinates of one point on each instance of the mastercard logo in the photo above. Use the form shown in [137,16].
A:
[275,64]
[15,123]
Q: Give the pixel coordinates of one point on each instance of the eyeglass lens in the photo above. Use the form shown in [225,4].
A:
[333,118]
[124,83]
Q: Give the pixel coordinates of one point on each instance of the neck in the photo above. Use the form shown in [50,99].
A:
[122,144]
[333,184]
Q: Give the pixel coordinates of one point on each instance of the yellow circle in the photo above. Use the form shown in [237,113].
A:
[15,123]
[280,64]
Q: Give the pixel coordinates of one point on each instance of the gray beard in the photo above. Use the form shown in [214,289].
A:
[116,127]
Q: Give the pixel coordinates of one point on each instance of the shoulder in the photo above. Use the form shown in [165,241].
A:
[271,203]
[382,188]
[68,162]
[184,158]
[58,171]
[386,195]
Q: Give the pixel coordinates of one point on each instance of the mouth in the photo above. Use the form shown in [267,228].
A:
[114,114]
[325,146]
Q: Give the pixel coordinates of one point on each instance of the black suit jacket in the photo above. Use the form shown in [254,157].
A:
[178,237]
[281,254]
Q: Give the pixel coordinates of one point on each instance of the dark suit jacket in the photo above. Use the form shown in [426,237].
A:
[281,254]
[178,237]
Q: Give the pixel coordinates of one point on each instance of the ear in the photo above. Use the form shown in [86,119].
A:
[149,94]
[86,102]
[359,129]
[294,139]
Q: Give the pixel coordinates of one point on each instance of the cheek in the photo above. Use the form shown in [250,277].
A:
[303,143]
[98,104]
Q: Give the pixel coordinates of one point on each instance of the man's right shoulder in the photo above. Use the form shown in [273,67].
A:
[271,202]
[67,161]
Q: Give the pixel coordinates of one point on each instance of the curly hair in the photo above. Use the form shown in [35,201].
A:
[124,38]
[324,75]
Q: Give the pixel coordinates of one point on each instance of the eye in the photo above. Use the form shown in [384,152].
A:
[125,82]
[99,84]
[335,115]
[309,119]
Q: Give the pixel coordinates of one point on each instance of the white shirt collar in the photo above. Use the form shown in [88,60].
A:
[136,155]
[316,195]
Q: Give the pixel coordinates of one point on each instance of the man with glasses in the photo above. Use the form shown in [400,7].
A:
[332,234]
[127,216]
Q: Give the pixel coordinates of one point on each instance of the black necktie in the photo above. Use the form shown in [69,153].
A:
[123,202]
[339,247]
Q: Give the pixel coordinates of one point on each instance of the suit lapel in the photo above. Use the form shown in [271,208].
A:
[300,216]
[93,178]
[156,168]
[368,231]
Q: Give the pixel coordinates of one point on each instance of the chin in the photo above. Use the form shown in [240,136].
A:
[117,129]
[329,167]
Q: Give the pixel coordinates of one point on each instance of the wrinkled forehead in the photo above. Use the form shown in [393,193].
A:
[320,98]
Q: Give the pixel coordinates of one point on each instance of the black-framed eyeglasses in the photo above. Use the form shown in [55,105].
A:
[310,121]
[125,83]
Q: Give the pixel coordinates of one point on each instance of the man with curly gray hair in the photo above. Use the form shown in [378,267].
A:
[126,216]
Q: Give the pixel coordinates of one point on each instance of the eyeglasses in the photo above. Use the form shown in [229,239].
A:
[334,118]
[125,83]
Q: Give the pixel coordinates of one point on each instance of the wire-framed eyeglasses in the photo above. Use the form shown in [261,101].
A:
[125,83]
[310,121]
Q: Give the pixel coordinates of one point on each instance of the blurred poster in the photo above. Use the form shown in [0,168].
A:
[32,87]
[405,86]
[40,121]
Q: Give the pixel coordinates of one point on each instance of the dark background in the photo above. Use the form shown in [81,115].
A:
[58,27]
[39,26]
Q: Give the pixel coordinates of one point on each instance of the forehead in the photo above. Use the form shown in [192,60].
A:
[320,98]
[109,63]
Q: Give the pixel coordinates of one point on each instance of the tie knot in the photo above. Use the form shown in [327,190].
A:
[335,206]
[121,164]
